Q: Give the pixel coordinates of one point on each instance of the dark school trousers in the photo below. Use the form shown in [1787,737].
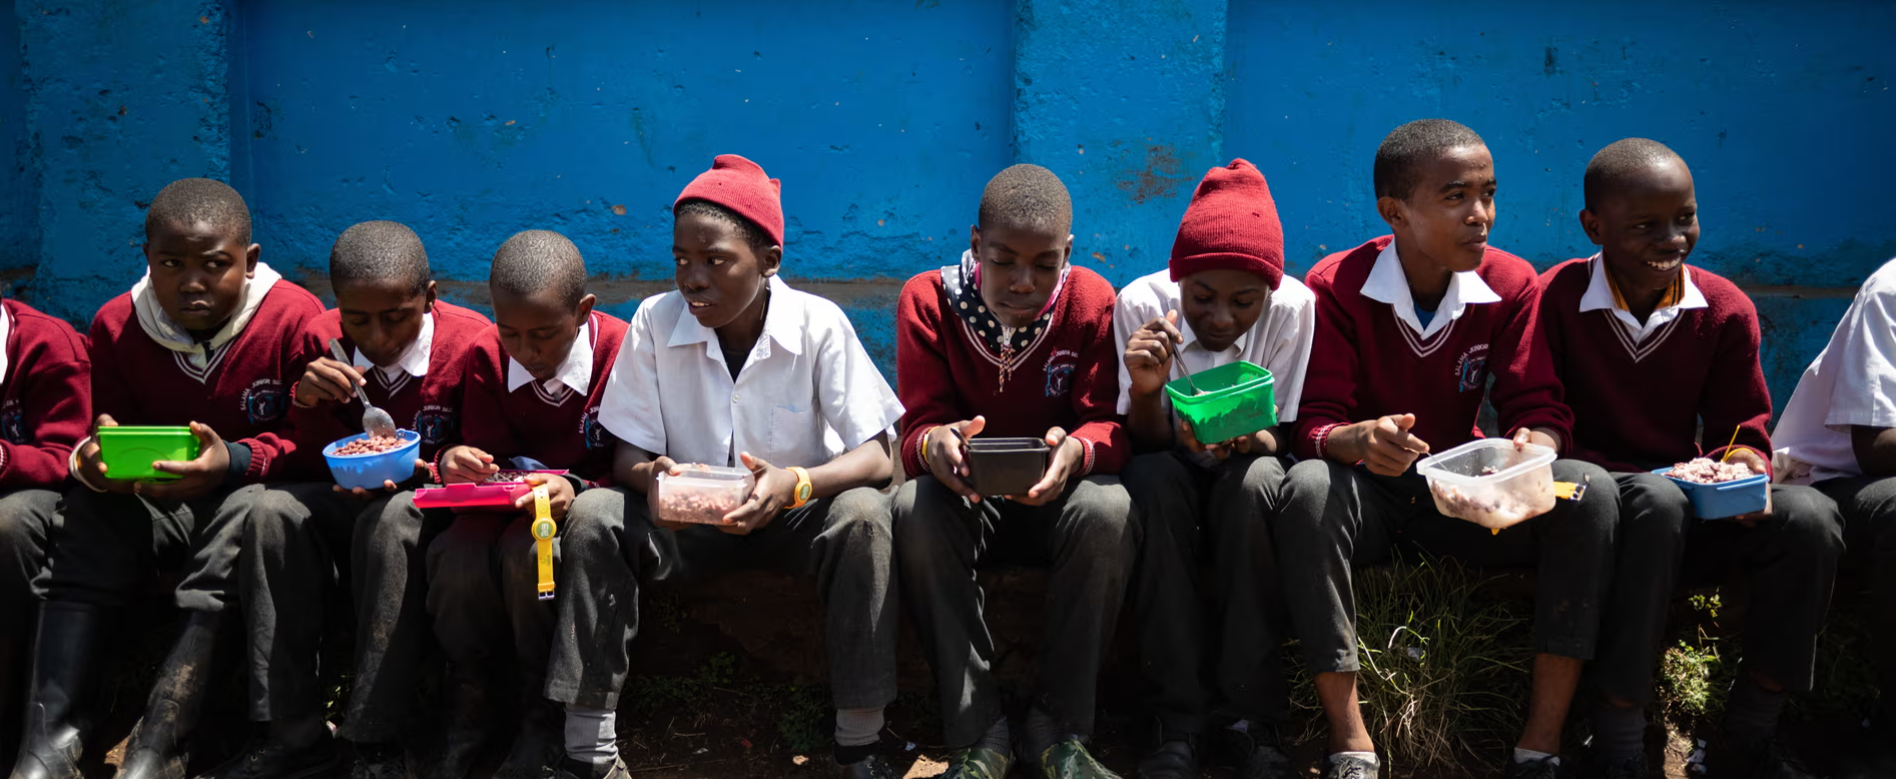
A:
[1338,516]
[841,543]
[1221,515]
[28,519]
[109,544]
[481,599]
[1089,537]
[1868,504]
[1788,563]
[296,552]
[388,578]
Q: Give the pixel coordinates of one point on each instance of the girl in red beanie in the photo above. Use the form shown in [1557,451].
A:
[1225,298]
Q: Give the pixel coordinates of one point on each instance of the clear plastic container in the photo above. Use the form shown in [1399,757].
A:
[701,494]
[1490,483]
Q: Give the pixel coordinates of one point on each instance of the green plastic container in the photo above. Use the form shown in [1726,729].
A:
[128,452]
[1239,399]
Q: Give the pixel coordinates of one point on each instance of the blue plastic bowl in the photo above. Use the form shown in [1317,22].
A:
[368,471]
[1725,499]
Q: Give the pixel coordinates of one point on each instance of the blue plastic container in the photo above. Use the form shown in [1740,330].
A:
[368,471]
[1725,499]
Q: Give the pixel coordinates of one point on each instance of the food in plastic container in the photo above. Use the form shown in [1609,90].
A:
[1225,402]
[499,491]
[129,451]
[1719,490]
[1491,483]
[366,462]
[701,494]
[1005,466]
[1708,471]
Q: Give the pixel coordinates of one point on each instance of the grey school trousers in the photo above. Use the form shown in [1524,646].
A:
[1335,517]
[28,519]
[481,599]
[1089,537]
[296,551]
[1218,517]
[1788,563]
[110,543]
[388,576]
[1868,504]
[841,543]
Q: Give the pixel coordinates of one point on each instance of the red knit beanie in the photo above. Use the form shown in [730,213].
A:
[1231,224]
[740,185]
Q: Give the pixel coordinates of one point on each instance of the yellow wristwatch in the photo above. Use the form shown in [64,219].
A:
[543,530]
[803,490]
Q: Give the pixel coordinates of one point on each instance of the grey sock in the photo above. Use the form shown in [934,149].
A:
[858,727]
[1751,711]
[592,735]
[1619,730]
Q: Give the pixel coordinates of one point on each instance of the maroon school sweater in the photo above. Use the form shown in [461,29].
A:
[430,405]
[564,434]
[243,394]
[1638,407]
[46,400]
[1365,363]
[1069,378]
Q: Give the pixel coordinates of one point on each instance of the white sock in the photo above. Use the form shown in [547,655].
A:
[1367,757]
[1528,755]
[857,727]
[592,735]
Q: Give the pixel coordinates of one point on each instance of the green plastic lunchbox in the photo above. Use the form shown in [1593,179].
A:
[128,452]
[1233,400]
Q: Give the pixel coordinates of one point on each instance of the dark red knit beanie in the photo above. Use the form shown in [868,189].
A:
[1231,224]
[740,185]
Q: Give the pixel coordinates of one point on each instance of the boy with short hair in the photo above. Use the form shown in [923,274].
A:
[1409,329]
[45,406]
[1647,348]
[532,391]
[1014,341]
[1225,298]
[206,337]
[736,368]
[296,544]
[1838,434]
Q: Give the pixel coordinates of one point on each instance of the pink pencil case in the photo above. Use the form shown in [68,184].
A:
[500,489]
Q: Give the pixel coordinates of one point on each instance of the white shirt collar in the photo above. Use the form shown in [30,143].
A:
[782,326]
[413,360]
[6,330]
[575,371]
[1599,296]
[1387,283]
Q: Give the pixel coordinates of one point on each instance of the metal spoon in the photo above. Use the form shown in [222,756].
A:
[375,422]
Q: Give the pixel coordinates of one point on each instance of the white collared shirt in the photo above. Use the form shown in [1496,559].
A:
[1387,284]
[1599,296]
[413,361]
[6,329]
[1279,340]
[575,371]
[1852,382]
[806,393]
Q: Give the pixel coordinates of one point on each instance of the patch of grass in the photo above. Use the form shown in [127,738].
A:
[1693,679]
[648,694]
[804,717]
[1445,664]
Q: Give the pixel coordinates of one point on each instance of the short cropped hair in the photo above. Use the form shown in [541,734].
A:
[1026,196]
[199,201]
[1407,148]
[534,261]
[379,251]
[1621,160]
[747,231]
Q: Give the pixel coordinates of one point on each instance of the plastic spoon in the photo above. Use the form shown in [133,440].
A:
[375,422]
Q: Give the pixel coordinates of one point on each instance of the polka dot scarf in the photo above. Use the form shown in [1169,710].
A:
[1004,344]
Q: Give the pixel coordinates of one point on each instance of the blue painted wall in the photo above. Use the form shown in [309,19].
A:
[19,179]
[884,120]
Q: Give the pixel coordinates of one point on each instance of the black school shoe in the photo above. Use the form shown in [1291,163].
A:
[574,769]
[1257,753]
[1344,767]
[1172,760]
[1765,758]
[871,767]
[265,759]
[1544,768]
[378,761]
[1631,766]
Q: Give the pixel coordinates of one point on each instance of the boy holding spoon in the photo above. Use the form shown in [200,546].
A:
[1225,298]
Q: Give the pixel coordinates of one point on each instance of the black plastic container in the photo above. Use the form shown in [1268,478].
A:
[1006,466]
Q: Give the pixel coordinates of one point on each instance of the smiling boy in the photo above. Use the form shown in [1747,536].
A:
[205,339]
[297,541]
[1013,341]
[736,369]
[1633,319]
[1410,330]
[1225,298]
